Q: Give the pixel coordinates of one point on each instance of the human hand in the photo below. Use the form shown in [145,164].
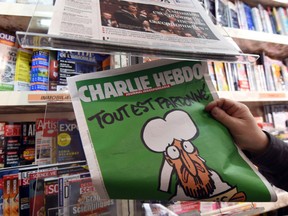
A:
[241,124]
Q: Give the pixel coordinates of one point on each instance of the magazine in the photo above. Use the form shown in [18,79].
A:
[46,140]
[12,139]
[82,199]
[69,145]
[51,196]
[183,27]
[146,136]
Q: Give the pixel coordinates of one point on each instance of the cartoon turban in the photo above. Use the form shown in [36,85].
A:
[159,133]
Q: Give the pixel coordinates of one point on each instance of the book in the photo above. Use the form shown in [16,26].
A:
[278,78]
[234,75]
[279,116]
[233,16]
[212,10]
[272,20]
[243,83]
[228,72]
[257,19]
[242,15]
[278,24]
[264,18]
[266,61]
[221,78]
[222,16]
[249,17]
[250,71]
[284,71]
[69,145]
[211,72]
[257,76]
[282,13]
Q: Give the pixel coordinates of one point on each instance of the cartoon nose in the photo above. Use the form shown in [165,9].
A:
[188,163]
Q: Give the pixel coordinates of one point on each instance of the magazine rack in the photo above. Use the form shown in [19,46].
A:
[38,36]
[47,194]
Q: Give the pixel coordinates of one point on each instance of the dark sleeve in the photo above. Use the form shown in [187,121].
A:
[273,163]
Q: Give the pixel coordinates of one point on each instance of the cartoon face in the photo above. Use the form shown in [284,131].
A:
[192,173]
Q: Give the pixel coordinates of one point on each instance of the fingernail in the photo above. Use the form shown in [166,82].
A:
[214,111]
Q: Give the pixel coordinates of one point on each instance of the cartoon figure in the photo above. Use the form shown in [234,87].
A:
[172,136]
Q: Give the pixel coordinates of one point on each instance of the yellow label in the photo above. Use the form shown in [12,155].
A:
[64,139]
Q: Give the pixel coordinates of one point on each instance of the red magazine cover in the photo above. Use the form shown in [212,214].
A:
[36,191]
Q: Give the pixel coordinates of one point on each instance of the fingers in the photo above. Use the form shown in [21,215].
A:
[229,106]
[228,112]
[222,102]
[223,117]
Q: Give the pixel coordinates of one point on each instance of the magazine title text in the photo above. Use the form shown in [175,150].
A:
[176,76]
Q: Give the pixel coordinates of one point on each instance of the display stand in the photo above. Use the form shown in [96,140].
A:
[54,107]
[39,37]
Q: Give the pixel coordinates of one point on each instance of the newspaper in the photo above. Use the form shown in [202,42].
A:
[167,25]
[146,136]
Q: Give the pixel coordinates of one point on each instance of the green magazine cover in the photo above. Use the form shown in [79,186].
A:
[146,136]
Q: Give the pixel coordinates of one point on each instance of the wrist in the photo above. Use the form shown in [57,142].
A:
[260,144]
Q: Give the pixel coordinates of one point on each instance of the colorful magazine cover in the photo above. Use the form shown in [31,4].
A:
[27,148]
[146,136]
[9,207]
[3,173]
[51,196]
[46,140]
[12,139]
[69,145]
[7,61]
[36,191]
[83,199]
[14,195]
[63,191]
[24,204]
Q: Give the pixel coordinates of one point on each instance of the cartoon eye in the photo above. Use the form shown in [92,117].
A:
[188,147]
[173,152]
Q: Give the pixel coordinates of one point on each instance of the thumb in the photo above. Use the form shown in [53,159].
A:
[223,117]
